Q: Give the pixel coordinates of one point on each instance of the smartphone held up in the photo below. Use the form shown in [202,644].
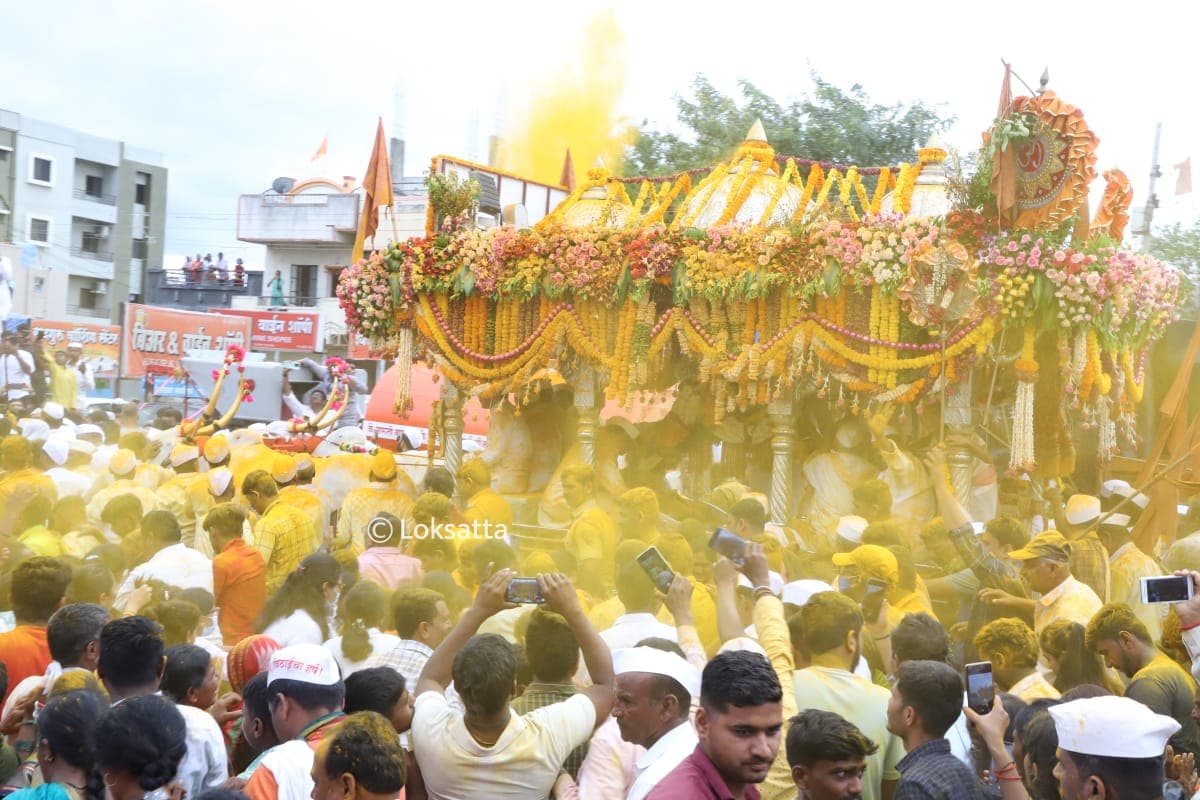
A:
[524,590]
[657,568]
[727,543]
[981,688]
[1166,589]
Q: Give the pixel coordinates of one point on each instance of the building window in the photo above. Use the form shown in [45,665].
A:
[93,186]
[139,249]
[39,230]
[91,242]
[41,170]
[4,151]
[141,192]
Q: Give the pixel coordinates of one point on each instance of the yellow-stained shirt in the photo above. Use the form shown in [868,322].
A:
[1126,567]
[310,504]
[593,537]
[284,535]
[490,506]
[773,635]
[16,490]
[176,496]
[64,385]
[1071,599]
[704,612]
[605,613]
[361,505]
[42,541]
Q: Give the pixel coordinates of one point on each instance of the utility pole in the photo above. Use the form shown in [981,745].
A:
[1152,200]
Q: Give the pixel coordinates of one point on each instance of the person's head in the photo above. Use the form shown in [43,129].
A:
[484,673]
[1120,638]
[1110,747]
[73,635]
[383,466]
[109,556]
[15,453]
[828,756]
[180,621]
[1045,561]
[474,476]
[131,656]
[551,647]
[303,684]
[677,552]
[313,587]
[161,529]
[1064,649]
[91,582]
[873,500]
[421,615]
[635,590]
[939,547]
[869,561]
[36,512]
[578,484]
[456,597]
[832,623]
[216,451]
[1035,751]
[927,698]
[637,513]
[224,524]
[919,637]
[740,719]
[489,557]
[747,518]
[440,480]
[384,530]
[1012,648]
[654,689]
[66,728]
[122,514]
[190,678]
[139,744]
[38,587]
[260,490]
[884,533]
[365,607]
[360,760]
[1002,535]
[69,514]
[382,690]
[256,714]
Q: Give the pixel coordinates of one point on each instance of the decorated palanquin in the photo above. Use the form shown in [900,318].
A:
[772,276]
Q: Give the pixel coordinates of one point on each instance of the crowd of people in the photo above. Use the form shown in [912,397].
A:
[32,377]
[210,620]
[197,271]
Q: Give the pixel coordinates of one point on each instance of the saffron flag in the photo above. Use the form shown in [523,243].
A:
[1004,162]
[377,192]
[1183,181]
[321,150]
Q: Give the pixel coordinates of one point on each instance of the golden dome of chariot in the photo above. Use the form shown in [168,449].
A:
[748,190]
[930,194]
[602,202]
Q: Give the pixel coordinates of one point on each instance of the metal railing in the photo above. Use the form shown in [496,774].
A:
[180,279]
[95,255]
[81,311]
[106,199]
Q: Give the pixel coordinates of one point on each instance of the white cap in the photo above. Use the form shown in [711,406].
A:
[219,480]
[773,578]
[1140,500]
[81,446]
[978,528]
[53,410]
[56,449]
[657,662]
[1115,487]
[346,435]
[742,643]
[88,428]
[279,429]
[257,427]
[851,528]
[183,453]
[798,593]
[243,437]
[1082,509]
[1116,521]
[35,430]
[306,663]
[1112,727]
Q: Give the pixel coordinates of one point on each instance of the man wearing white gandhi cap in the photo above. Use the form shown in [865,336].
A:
[1110,748]
[305,694]
[655,688]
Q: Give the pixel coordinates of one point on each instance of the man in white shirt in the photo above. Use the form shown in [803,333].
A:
[832,624]
[15,368]
[489,751]
[637,594]
[174,563]
[655,688]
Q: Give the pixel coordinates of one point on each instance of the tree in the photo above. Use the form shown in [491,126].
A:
[1180,247]
[832,125]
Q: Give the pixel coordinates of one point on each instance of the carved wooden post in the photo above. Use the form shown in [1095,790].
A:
[585,405]
[452,428]
[783,438]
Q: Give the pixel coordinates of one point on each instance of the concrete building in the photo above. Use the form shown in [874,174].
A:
[86,213]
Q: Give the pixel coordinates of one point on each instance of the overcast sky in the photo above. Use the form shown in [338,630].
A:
[235,93]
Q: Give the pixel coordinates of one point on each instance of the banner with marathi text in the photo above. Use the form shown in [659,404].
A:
[281,330]
[156,338]
[101,343]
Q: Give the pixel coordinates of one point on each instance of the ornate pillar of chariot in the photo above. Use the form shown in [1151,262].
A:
[783,440]
[452,428]
[585,405]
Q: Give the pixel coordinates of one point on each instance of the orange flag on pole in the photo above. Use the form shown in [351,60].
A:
[1004,162]
[377,192]
[322,149]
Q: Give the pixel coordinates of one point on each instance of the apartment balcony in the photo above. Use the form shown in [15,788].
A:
[174,288]
[92,252]
[103,199]
[300,218]
[98,312]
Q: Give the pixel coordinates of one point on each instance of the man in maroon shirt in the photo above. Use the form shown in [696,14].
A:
[738,724]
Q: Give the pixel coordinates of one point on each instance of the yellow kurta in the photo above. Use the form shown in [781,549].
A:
[361,505]
[489,505]
[593,537]
[16,490]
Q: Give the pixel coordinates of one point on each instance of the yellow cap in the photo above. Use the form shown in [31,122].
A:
[123,463]
[872,560]
[383,465]
[216,449]
[283,468]
[1050,544]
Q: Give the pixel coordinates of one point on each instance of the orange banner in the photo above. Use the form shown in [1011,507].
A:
[157,338]
[101,343]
